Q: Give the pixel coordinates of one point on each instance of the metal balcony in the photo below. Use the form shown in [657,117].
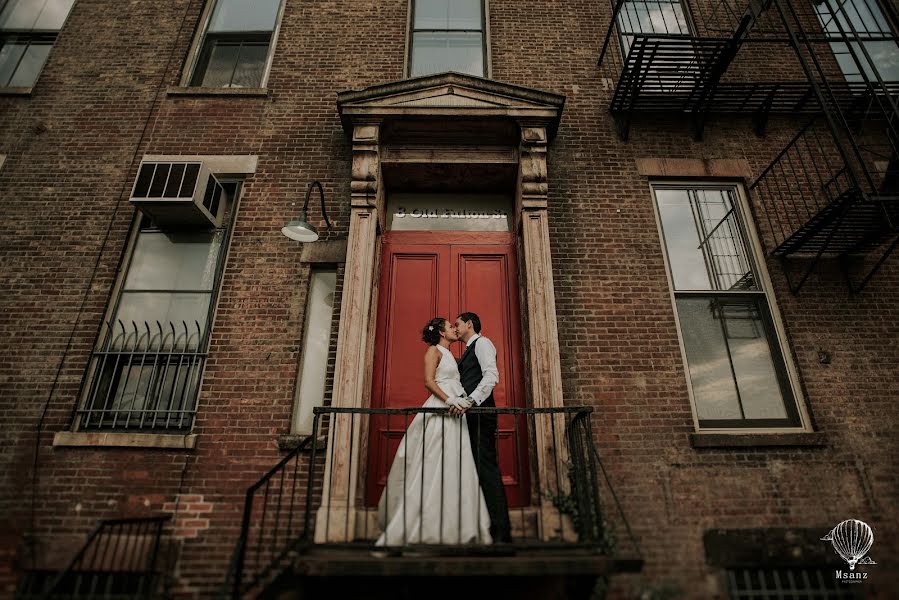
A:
[695,59]
[568,523]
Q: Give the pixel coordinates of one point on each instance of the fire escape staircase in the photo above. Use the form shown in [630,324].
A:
[680,72]
[833,191]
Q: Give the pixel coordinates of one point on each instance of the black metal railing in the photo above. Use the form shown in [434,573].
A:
[670,56]
[121,559]
[809,202]
[144,377]
[704,57]
[556,486]
[834,188]
[274,520]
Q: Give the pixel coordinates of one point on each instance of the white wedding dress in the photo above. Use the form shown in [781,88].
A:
[432,494]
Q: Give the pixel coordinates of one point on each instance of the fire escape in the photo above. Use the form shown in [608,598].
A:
[833,190]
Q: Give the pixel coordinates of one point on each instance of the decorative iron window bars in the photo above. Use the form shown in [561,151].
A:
[814,583]
[145,372]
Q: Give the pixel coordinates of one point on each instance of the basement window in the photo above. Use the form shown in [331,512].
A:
[810,583]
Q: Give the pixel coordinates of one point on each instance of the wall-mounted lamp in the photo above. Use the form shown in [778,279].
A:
[302,230]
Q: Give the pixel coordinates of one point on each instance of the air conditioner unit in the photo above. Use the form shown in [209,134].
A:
[178,194]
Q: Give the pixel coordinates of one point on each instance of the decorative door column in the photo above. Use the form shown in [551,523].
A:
[543,335]
[352,375]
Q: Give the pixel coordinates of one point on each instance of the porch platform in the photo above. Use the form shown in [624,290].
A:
[335,562]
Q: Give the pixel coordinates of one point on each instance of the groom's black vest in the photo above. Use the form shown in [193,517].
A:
[471,374]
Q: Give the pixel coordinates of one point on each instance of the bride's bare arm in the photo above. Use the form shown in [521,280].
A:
[432,359]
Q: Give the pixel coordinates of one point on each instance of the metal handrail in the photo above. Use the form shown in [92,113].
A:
[109,527]
[234,576]
[270,503]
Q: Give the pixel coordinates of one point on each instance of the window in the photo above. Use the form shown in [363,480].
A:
[737,369]
[316,347]
[28,29]
[794,582]
[144,374]
[448,35]
[237,43]
[877,51]
[650,17]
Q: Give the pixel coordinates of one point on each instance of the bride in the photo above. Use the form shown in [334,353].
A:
[432,494]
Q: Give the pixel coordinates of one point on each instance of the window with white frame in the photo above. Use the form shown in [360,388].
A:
[316,347]
[145,371]
[876,53]
[448,35]
[736,360]
[236,44]
[28,29]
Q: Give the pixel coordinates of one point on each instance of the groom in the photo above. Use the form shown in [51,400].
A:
[477,369]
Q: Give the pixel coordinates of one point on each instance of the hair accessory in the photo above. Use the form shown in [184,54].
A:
[430,328]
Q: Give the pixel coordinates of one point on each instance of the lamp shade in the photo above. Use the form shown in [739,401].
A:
[300,231]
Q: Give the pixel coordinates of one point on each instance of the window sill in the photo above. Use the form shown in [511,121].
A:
[125,440]
[289,442]
[755,440]
[15,91]
[214,91]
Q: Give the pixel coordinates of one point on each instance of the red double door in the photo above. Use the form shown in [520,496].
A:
[426,274]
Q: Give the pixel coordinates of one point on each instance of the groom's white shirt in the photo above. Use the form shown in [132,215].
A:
[486,353]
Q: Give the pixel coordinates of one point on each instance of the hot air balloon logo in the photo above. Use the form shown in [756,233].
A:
[852,539]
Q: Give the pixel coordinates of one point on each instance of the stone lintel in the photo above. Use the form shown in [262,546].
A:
[720,168]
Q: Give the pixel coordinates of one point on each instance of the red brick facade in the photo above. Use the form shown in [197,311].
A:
[104,100]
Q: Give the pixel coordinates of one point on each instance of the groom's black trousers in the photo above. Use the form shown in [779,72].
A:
[482,432]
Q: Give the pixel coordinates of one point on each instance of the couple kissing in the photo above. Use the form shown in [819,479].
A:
[445,485]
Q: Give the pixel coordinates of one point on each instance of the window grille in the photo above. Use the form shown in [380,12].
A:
[797,583]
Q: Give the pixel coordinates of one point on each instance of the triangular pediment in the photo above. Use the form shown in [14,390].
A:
[449,95]
[444,96]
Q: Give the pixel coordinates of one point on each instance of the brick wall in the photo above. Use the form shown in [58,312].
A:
[72,150]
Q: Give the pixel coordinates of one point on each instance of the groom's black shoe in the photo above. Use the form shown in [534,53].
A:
[500,537]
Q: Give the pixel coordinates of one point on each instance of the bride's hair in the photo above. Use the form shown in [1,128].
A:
[430,335]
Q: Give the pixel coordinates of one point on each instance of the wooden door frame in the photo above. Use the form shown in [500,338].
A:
[449,96]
